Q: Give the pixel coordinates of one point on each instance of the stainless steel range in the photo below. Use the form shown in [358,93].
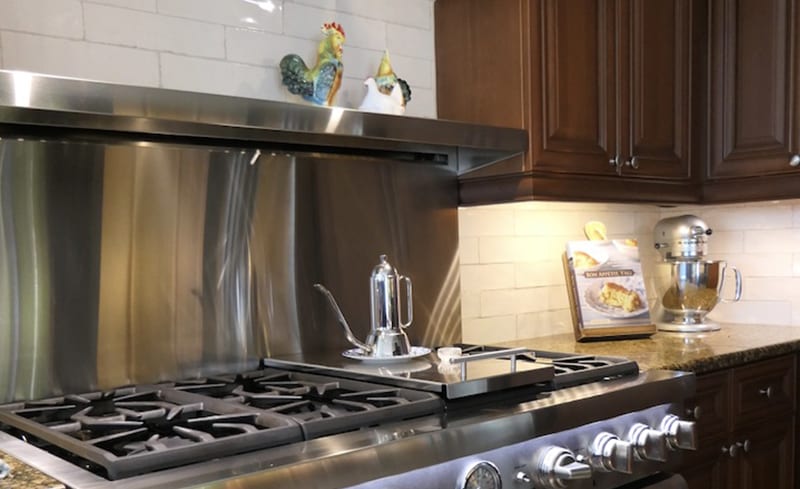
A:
[160,327]
[493,416]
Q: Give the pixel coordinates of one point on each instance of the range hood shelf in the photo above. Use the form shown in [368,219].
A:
[38,100]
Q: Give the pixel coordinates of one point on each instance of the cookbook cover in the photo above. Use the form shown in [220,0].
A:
[606,288]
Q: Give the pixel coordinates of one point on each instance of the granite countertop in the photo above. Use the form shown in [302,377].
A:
[23,476]
[733,345]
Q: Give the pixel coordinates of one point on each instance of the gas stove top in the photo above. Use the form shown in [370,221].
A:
[134,430]
[294,422]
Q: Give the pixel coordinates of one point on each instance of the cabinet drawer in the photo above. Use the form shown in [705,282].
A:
[763,388]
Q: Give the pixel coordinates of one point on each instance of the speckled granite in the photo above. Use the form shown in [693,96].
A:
[733,345]
[23,476]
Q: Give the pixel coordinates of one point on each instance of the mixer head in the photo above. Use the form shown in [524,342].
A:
[681,238]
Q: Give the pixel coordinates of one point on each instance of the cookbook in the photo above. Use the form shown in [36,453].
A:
[606,290]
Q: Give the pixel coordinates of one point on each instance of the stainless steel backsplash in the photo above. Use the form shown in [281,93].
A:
[129,262]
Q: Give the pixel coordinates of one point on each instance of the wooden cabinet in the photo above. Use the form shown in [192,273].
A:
[754,106]
[604,88]
[746,427]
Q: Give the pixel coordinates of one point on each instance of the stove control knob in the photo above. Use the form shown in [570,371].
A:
[555,466]
[680,434]
[609,453]
[5,470]
[648,444]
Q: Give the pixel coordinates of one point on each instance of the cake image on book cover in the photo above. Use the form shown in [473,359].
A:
[606,290]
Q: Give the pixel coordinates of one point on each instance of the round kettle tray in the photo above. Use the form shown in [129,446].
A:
[359,354]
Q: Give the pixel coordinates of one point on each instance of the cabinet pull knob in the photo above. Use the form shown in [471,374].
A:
[633,163]
[795,160]
[615,162]
[745,445]
[732,450]
[766,392]
[694,412]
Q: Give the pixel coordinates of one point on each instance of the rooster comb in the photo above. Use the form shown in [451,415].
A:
[329,26]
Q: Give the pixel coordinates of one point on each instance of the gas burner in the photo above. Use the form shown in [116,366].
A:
[307,399]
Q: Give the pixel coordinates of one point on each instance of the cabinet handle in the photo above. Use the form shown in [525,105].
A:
[732,450]
[766,392]
[795,160]
[615,162]
[745,445]
[694,412]
[633,162]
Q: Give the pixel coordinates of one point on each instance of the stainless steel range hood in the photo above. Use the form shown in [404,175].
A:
[40,100]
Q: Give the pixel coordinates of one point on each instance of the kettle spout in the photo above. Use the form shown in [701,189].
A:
[347,331]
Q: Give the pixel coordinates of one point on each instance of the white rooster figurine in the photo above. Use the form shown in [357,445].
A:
[386,92]
[377,101]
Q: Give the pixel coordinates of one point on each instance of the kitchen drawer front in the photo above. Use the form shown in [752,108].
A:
[711,406]
[763,388]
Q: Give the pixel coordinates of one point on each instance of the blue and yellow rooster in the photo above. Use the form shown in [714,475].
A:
[320,83]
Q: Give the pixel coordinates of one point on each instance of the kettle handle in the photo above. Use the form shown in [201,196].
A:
[409,302]
[737,294]
[347,331]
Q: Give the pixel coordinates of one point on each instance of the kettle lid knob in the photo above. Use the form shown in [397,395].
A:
[384,268]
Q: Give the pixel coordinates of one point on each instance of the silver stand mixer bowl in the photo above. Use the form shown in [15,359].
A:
[693,286]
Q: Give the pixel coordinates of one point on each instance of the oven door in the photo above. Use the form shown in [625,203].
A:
[660,481]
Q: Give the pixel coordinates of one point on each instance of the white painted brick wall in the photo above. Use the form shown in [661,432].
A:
[229,47]
[761,239]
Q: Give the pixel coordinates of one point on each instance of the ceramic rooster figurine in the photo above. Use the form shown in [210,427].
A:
[386,79]
[377,101]
[319,83]
[386,93]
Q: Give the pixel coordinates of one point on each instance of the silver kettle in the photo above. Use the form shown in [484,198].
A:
[386,337]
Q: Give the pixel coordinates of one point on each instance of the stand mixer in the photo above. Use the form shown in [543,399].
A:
[689,286]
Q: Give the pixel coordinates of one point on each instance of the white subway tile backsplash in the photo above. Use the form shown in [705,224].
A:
[544,324]
[755,312]
[468,250]
[500,302]
[113,25]
[264,15]
[727,242]
[417,13]
[361,63]
[61,18]
[417,72]
[770,289]
[222,77]
[489,330]
[470,304]
[147,5]
[772,241]
[305,22]
[497,249]
[539,274]
[422,104]
[487,277]
[265,48]
[490,221]
[410,41]
[741,218]
[759,265]
[79,59]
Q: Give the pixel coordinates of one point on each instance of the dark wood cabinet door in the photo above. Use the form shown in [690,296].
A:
[479,73]
[769,459]
[707,468]
[753,87]
[573,85]
[654,77]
